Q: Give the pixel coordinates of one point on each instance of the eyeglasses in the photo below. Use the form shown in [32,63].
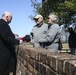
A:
[48,18]
[36,19]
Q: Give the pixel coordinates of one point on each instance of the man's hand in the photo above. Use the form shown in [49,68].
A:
[21,41]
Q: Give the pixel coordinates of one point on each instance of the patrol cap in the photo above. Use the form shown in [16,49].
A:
[38,16]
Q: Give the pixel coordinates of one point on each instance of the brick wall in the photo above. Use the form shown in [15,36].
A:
[37,61]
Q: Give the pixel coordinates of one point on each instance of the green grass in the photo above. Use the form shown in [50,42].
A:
[11,73]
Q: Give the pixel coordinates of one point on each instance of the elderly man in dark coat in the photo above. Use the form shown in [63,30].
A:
[7,48]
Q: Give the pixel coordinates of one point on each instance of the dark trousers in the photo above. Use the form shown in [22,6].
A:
[11,74]
[72,50]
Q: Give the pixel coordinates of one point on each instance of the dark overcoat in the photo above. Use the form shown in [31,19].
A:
[7,49]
